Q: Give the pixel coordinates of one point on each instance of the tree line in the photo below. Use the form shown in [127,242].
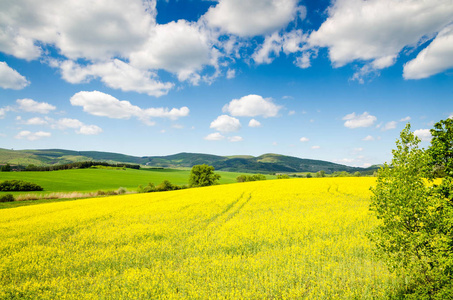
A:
[79,165]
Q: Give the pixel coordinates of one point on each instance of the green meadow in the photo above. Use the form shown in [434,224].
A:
[105,179]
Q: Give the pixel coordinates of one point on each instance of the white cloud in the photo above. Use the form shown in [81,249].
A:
[35,121]
[67,123]
[33,106]
[236,138]
[252,17]
[406,119]
[216,136]
[32,136]
[368,138]
[291,112]
[89,130]
[356,121]
[225,123]
[315,147]
[105,105]
[101,31]
[115,74]
[252,106]
[10,78]
[345,160]
[304,139]
[389,125]
[78,28]
[254,123]
[271,45]
[377,30]
[289,42]
[435,58]
[62,124]
[423,134]
[177,126]
[179,47]
[2,113]
[231,74]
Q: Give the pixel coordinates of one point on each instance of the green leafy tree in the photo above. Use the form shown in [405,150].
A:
[441,150]
[415,235]
[202,175]
[6,168]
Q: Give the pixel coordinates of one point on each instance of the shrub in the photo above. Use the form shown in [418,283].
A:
[121,191]
[283,176]
[7,198]
[147,189]
[245,178]
[19,185]
[166,186]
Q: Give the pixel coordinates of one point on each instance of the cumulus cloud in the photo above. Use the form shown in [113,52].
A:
[406,119]
[435,58]
[231,74]
[104,105]
[304,139]
[78,28]
[216,136]
[378,29]
[423,134]
[356,121]
[252,106]
[107,34]
[35,121]
[289,42]
[368,138]
[225,123]
[252,17]
[236,138]
[89,130]
[2,113]
[30,105]
[254,123]
[179,47]
[63,124]
[315,147]
[10,78]
[32,136]
[389,125]
[67,123]
[115,74]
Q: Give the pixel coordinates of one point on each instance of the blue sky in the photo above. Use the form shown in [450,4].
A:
[330,80]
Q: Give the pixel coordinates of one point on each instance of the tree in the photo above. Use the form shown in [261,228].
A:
[202,175]
[415,235]
[441,150]
[6,168]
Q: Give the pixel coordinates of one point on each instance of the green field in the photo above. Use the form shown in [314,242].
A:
[90,180]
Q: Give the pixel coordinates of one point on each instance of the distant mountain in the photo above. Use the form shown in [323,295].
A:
[266,163]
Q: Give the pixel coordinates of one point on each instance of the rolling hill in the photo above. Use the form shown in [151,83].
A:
[266,163]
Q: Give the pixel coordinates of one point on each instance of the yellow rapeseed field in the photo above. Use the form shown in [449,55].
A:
[279,239]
